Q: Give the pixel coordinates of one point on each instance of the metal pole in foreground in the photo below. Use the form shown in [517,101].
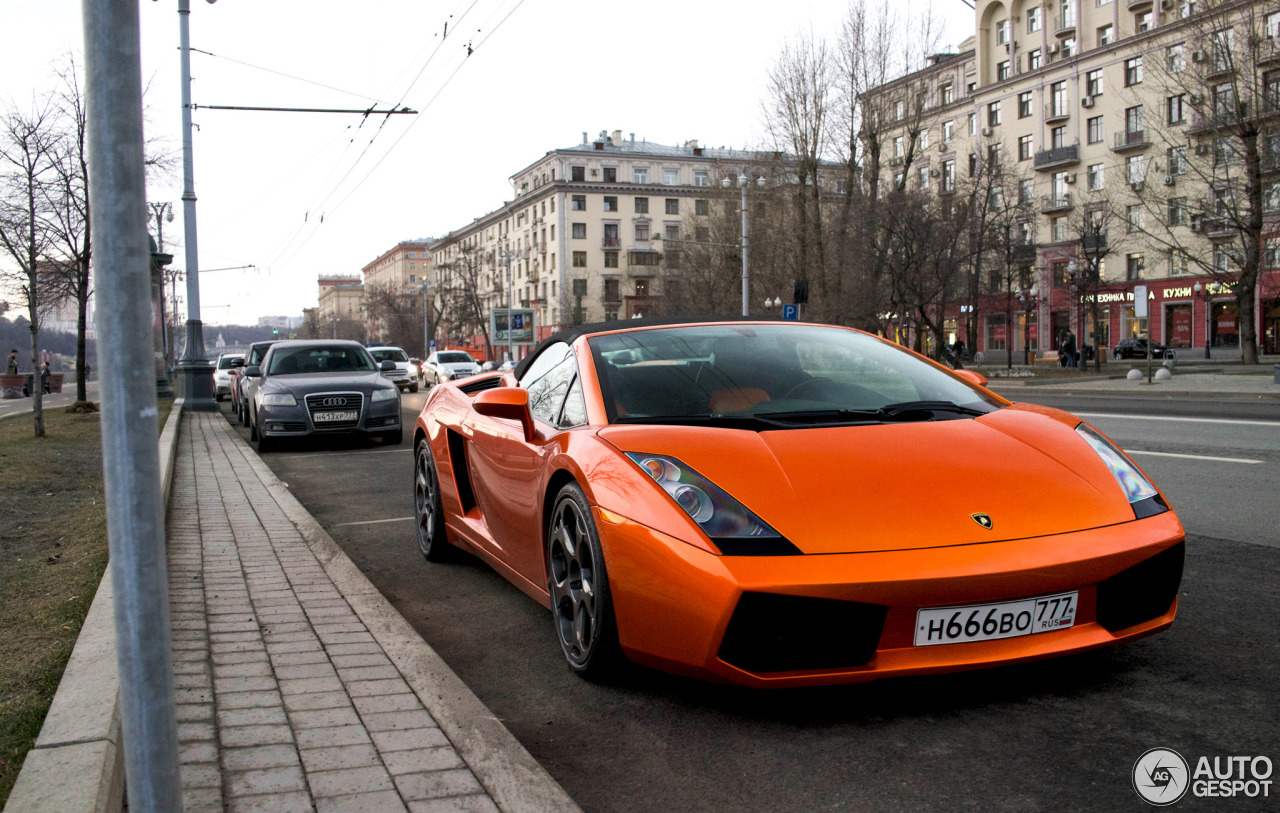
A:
[746,307]
[130,457]
[194,368]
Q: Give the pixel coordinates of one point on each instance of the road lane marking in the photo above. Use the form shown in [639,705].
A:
[1194,457]
[1108,416]
[373,521]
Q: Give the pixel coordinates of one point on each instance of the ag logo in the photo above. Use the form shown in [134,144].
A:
[1160,776]
[982,519]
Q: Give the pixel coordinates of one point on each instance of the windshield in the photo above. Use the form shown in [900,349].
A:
[257,352]
[455,358]
[389,354]
[310,360]
[780,373]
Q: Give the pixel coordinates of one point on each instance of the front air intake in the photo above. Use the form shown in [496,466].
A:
[770,632]
[1142,592]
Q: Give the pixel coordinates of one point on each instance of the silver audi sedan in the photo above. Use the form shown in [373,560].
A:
[322,387]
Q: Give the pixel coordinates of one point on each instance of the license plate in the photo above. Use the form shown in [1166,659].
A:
[986,622]
[332,417]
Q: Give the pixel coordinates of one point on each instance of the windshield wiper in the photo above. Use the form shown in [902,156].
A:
[823,416]
[906,407]
[750,422]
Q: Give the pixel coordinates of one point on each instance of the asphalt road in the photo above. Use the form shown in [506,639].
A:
[1058,735]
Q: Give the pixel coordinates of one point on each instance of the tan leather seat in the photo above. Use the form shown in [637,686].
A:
[735,399]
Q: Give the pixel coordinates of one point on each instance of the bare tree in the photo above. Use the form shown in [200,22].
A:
[1221,93]
[463,288]
[397,315]
[29,146]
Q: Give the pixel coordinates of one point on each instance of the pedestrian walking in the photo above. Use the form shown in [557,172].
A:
[1069,350]
[11,366]
[44,377]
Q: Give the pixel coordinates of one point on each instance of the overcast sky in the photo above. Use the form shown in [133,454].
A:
[298,195]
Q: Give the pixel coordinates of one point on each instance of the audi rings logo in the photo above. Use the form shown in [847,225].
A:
[1161,776]
[333,402]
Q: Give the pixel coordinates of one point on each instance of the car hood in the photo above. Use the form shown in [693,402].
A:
[461,367]
[902,485]
[326,382]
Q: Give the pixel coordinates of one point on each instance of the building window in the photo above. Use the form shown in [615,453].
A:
[701,207]
[1133,119]
[610,174]
[1024,105]
[1093,83]
[1034,20]
[1058,137]
[670,177]
[1224,101]
[1003,71]
[948,131]
[1132,71]
[1026,191]
[948,176]
[995,153]
[640,174]
[1271,196]
[970,88]
[1177,211]
[642,206]
[922,178]
[642,231]
[612,290]
[973,124]
[899,110]
[1142,22]
[1096,178]
[700,178]
[1176,108]
[579,203]
[1177,157]
[1002,32]
[1135,169]
[671,231]
[673,206]
[1058,97]
[1223,42]
[1270,253]
[1105,36]
[1034,60]
[1175,58]
[579,231]
[922,142]
[610,203]
[899,147]
[947,94]
[1133,267]
[993,114]
[1133,217]
[1058,228]
[1024,147]
[610,260]
[1059,271]
[578,173]
[1095,130]
[1068,48]
[579,259]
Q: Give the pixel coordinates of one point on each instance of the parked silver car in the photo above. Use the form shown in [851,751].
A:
[242,388]
[322,387]
[447,365]
[405,374]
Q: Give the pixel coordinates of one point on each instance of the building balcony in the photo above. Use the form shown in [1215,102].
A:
[1064,26]
[1139,5]
[1055,203]
[1054,114]
[1130,141]
[1058,157]
[610,242]
[1024,252]
[1268,52]
[1095,243]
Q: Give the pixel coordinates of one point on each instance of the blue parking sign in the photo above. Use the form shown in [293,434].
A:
[791,312]
[517,321]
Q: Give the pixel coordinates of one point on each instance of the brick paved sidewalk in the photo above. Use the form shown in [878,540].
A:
[286,699]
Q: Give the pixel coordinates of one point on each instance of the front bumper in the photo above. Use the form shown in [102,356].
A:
[296,422]
[773,621]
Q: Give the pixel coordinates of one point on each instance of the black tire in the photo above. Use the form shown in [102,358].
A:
[428,508]
[394,437]
[263,443]
[253,430]
[581,604]
[244,414]
[413,387]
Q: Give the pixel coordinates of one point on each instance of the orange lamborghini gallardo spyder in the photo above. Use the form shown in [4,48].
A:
[782,504]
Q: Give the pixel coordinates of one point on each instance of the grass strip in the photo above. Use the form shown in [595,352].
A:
[53,551]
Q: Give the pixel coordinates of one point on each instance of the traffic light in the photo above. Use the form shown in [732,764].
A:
[275,331]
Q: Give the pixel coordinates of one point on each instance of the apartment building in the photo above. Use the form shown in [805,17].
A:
[340,297]
[401,268]
[591,232]
[1097,107]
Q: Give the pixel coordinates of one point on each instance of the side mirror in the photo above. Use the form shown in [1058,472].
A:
[387,367]
[237,363]
[252,371]
[972,377]
[510,403]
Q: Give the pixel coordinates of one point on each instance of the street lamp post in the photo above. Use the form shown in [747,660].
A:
[1028,301]
[426,318]
[743,182]
[194,367]
[1208,313]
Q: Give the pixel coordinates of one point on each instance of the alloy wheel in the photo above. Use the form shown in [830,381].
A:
[572,582]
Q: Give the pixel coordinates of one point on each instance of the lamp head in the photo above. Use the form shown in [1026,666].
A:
[742,180]
[1197,288]
[724,182]
[760,182]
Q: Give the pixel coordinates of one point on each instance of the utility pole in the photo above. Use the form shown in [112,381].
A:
[130,445]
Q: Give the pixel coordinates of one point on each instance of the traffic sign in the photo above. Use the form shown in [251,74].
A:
[791,312]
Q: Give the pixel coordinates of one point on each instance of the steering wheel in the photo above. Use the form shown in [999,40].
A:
[808,382]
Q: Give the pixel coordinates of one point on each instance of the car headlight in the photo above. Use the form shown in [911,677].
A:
[279,399]
[734,529]
[384,395]
[1137,489]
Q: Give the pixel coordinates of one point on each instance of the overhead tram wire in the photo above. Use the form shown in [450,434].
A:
[287,75]
[280,256]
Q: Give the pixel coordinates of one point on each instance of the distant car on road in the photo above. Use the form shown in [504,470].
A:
[449,365]
[222,373]
[1137,349]
[242,388]
[404,375]
[322,387]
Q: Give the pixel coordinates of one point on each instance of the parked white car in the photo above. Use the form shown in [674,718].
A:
[447,365]
[404,375]
[222,373]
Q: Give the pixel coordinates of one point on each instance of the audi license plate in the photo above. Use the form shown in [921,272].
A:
[985,622]
[334,417]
